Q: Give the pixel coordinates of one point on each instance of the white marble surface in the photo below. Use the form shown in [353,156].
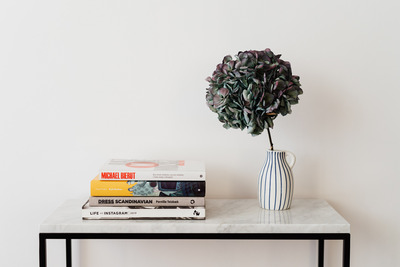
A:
[223,216]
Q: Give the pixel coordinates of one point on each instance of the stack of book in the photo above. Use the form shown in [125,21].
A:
[150,189]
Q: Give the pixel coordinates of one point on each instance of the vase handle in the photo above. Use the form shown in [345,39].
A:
[290,158]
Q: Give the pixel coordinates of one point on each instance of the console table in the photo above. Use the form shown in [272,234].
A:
[307,219]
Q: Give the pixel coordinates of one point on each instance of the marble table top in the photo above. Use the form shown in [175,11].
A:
[223,216]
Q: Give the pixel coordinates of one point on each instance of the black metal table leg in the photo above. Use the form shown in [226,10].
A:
[43,237]
[346,251]
[68,252]
[321,252]
[42,251]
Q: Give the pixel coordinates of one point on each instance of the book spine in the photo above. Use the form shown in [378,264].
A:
[152,175]
[146,201]
[142,213]
[100,188]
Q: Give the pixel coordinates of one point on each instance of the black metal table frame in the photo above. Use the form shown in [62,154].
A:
[345,237]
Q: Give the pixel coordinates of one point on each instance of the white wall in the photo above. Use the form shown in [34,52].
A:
[84,81]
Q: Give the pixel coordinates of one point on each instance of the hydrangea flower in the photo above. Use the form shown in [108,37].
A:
[252,89]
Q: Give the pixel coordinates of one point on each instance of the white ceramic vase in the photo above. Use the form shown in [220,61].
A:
[275,182]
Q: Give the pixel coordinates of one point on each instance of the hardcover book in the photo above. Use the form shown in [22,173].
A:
[141,188]
[186,212]
[146,201]
[172,170]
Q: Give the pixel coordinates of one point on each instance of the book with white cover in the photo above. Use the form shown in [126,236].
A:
[131,169]
[115,213]
[146,201]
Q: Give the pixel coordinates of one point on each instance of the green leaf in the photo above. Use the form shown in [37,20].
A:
[227,59]
[245,95]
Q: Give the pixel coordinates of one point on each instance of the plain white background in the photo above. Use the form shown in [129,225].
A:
[85,81]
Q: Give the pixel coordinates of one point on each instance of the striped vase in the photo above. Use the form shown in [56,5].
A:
[275,182]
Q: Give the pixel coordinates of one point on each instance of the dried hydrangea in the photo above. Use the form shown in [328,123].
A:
[251,90]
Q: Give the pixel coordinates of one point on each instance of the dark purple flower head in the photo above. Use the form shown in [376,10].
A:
[251,90]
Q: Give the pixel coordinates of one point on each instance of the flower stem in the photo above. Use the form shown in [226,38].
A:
[270,139]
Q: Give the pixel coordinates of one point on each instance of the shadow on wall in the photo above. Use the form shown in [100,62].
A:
[231,181]
[328,122]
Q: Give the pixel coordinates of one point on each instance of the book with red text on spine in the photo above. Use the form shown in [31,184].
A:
[153,170]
